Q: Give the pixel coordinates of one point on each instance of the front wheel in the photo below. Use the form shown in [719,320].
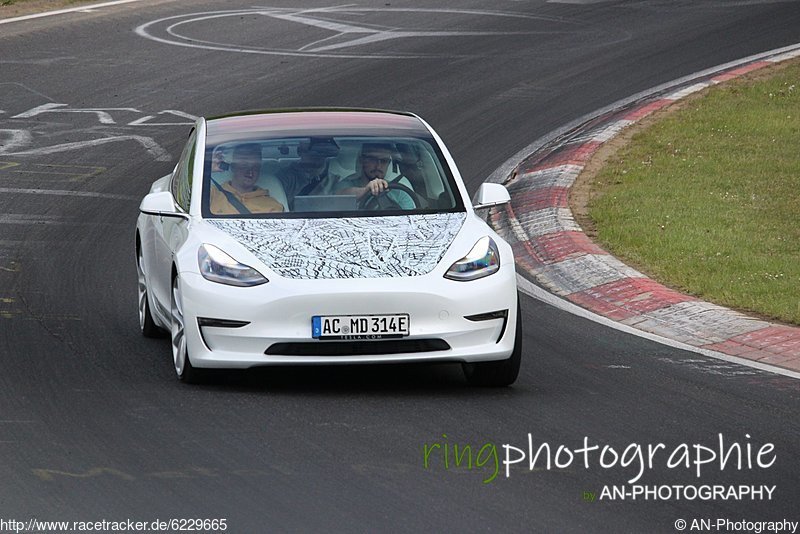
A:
[180,354]
[147,325]
[498,373]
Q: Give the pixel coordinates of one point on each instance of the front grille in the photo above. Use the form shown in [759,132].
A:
[350,348]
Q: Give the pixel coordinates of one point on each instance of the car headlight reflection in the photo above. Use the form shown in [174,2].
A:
[482,260]
[217,266]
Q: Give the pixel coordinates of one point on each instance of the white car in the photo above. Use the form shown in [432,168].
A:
[325,237]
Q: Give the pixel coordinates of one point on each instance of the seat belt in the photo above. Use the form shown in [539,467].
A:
[312,184]
[309,187]
[241,208]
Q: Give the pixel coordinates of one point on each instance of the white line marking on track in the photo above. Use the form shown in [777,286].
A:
[102,113]
[340,28]
[15,139]
[34,91]
[153,148]
[65,11]
[66,193]
[35,219]
[145,120]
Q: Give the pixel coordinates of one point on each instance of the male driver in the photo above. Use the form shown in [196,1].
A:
[241,195]
[374,159]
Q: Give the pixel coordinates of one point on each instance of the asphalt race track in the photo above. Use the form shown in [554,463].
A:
[93,425]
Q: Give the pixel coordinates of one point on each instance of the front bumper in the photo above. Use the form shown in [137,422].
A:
[278,316]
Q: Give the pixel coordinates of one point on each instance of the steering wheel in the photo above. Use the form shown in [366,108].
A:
[370,198]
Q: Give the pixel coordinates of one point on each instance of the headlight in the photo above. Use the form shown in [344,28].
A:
[482,260]
[217,266]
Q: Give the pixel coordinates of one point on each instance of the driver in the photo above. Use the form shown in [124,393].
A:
[374,161]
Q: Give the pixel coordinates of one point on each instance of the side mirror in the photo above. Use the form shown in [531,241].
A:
[161,204]
[489,195]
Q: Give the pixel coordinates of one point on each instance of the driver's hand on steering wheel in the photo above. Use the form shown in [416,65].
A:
[377,186]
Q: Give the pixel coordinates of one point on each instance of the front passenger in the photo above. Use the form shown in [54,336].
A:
[241,195]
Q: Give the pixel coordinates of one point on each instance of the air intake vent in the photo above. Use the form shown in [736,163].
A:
[349,348]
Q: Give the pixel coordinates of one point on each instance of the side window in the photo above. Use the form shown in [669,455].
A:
[181,186]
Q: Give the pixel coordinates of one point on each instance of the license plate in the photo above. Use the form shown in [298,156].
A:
[359,326]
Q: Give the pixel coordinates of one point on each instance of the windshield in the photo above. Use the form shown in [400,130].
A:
[326,176]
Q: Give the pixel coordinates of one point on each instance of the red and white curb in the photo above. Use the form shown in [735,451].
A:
[552,251]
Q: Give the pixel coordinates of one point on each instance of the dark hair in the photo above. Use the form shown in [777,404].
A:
[247,148]
[323,147]
[386,147]
[410,149]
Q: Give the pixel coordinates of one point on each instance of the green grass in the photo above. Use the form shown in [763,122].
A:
[707,200]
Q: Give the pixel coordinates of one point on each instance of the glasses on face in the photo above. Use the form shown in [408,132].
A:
[374,160]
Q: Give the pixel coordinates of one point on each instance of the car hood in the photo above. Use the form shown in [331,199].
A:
[358,247]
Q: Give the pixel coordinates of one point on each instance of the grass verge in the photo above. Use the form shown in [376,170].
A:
[707,198]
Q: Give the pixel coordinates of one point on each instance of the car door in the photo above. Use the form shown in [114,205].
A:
[170,232]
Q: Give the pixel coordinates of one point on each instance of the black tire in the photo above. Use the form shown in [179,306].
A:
[498,373]
[147,325]
[191,374]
